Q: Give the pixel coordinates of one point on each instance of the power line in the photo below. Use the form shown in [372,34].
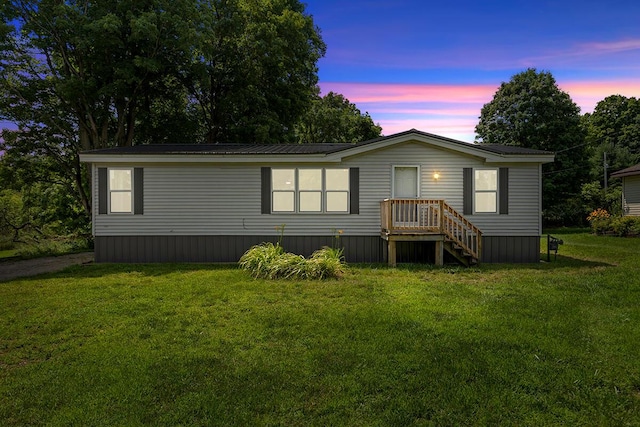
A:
[571,148]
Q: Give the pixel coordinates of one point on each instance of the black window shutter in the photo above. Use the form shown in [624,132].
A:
[467,191]
[102,190]
[504,191]
[265,177]
[138,191]
[354,191]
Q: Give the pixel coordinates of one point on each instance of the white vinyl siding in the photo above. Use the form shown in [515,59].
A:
[631,195]
[213,199]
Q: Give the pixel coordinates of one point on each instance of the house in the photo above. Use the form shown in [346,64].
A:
[412,196]
[630,189]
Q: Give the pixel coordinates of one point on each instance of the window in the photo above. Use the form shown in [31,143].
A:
[310,186]
[120,190]
[284,189]
[337,190]
[485,184]
[310,190]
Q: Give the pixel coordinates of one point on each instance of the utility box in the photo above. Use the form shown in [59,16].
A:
[553,244]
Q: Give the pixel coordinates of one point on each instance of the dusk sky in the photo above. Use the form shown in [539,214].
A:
[432,65]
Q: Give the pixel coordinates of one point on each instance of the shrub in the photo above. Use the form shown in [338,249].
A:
[258,260]
[600,221]
[53,247]
[269,261]
[626,226]
[326,263]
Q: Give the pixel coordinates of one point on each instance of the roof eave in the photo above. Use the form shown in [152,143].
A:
[205,158]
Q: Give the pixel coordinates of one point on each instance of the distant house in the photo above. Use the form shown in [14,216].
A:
[411,196]
[630,189]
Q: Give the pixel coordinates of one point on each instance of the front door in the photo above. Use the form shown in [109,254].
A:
[405,182]
[405,186]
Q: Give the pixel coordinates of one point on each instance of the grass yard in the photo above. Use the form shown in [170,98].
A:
[550,344]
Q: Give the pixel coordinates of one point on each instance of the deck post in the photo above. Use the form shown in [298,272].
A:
[439,252]
[391,253]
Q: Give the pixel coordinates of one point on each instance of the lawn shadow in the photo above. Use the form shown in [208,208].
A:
[93,270]
[556,263]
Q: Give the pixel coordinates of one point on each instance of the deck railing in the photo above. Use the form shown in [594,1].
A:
[428,216]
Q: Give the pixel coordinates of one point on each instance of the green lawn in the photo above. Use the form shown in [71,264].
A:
[549,344]
[8,253]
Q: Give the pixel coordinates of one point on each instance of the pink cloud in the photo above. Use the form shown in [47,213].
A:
[588,93]
[403,93]
[453,110]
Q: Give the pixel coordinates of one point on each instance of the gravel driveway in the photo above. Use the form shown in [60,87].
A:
[30,267]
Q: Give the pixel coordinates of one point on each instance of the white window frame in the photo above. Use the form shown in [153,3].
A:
[496,192]
[323,191]
[111,191]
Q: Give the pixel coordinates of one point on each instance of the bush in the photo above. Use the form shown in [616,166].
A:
[259,259]
[326,263]
[603,223]
[269,261]
[600,221]
[52,247]
[626,226]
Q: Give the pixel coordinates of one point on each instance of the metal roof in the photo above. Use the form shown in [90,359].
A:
[300,149]
[224,149]
[630,171]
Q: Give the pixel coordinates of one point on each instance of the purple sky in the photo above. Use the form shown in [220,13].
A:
[432,65]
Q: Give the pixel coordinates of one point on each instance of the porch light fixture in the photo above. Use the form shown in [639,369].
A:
[436,176]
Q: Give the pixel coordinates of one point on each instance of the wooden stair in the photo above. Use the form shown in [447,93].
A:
[430,220]
[459,253]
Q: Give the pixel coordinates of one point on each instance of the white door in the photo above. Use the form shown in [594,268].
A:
[405,182]
[405,186]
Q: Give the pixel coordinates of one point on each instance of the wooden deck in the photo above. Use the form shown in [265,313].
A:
[429,220]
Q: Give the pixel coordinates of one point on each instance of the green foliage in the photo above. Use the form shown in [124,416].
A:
[626,226]
[259,259]
[80,75]
[270,261]
[593,197]
[621,226]
[52,247]
[256,69]
[613,128]
[83,75]
[333,118]
[604,223]
[325,263]
[531,111]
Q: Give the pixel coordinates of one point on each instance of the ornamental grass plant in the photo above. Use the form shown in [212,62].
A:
[270,261]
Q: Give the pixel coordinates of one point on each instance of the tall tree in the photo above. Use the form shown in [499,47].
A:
[256,69]
[75,75]
[613,128]
[531,111]
[333,118]
[78,75]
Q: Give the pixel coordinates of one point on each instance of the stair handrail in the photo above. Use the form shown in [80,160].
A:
[450,223]
[461,231]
